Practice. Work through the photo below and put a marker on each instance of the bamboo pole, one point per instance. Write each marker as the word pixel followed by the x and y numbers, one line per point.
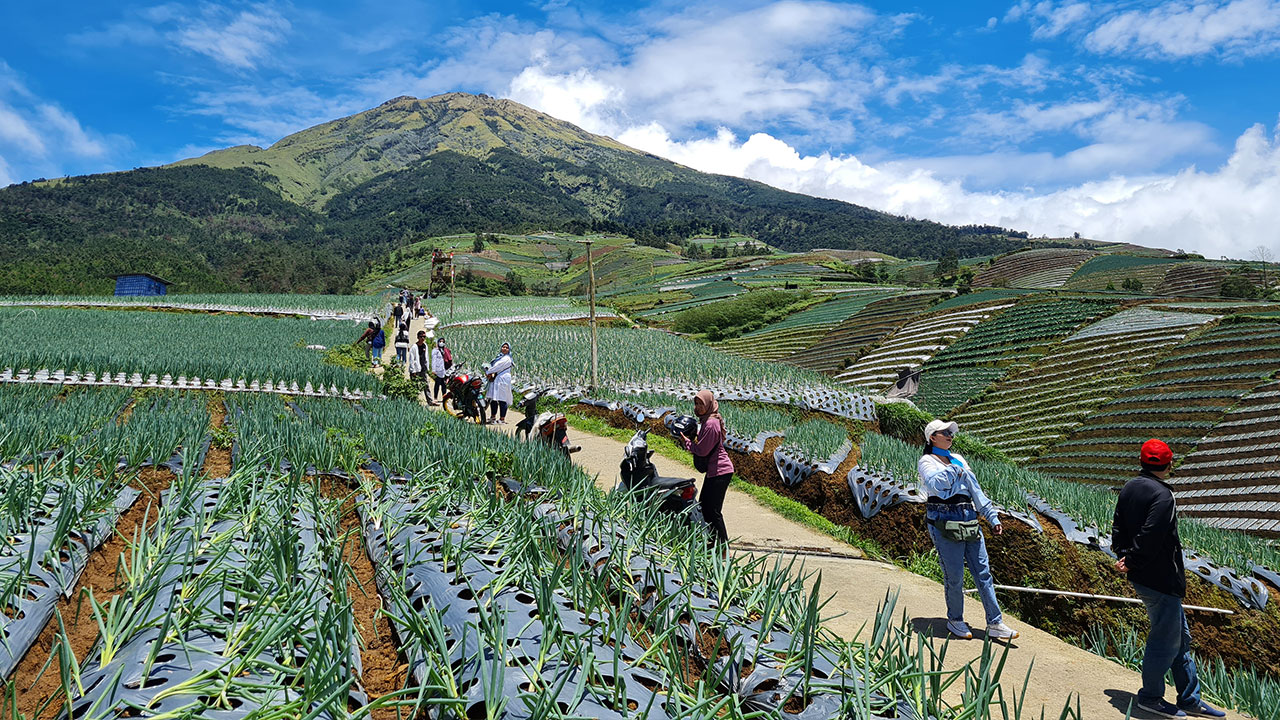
pixel 1088 596
pixel 591 289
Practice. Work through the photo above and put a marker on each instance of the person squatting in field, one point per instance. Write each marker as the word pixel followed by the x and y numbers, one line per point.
pixel 499 373
pixel 1144 536
pixel 951 513
pixel 710 457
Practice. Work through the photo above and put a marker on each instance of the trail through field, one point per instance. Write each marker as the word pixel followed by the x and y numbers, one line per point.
pixel 1058 670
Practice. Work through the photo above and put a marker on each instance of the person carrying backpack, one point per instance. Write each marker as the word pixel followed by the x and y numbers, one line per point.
pixel 1144 536
pixel 710 457
pixel 402 343
pixel 376 344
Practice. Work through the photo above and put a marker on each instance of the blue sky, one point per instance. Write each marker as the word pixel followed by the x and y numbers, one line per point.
pixel 1131 121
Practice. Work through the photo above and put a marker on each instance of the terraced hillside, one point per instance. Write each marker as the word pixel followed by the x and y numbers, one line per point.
pixel 861 331
pixel 1193 280
pixel 1232 480
pixel 1035 408
pixel 1179 399
pixel 1046 268
pixel 915 343
pixel 1008 343
pixel 1113 270
pixel 797 331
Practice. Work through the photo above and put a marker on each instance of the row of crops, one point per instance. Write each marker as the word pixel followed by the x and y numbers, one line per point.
pixel 534 596
pixel 797 331
pixel 209 347
pixel 862 330
pixel 356 306
pixel 1046 268
pixel 473 310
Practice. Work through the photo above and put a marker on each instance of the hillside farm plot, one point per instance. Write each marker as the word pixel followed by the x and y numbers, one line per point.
pixel 701 292
pixel 862 330
pixel 1030 410
pixel 1114 270
pixel 320 306
pixel 150 346
pixel 1046 268
pixel 1008 343
pixel 1193 280
pixel 1178 400
pixel 914 344
pixel 796 331
pixel 475 310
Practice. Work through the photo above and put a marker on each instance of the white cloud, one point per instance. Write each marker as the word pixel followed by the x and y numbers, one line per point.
pixel 239 41
pixel 1224 211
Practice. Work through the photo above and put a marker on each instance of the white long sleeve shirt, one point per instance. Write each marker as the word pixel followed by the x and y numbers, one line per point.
pixel 944 480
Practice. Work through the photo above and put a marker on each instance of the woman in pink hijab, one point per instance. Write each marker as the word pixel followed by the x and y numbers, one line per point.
pixel 710 457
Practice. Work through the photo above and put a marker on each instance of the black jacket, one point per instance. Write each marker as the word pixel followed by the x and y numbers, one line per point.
pixel 1145 533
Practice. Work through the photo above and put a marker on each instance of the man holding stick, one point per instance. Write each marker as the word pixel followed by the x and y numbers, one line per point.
pixel 1144 537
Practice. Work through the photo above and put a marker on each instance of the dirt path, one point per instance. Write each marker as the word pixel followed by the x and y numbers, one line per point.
pixel 1061 671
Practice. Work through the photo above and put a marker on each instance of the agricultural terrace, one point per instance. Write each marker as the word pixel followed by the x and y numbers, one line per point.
pixel 106 346
pixel 798 330
pixel 862 330
pixel 1179 399
pixel 1193 280
pixel 1043 268
pixel 1061 389
pixel 345 306
pixel 359 561
pixel 1008 343
pixel 914 344
pixel 476 310
pixel 700 292
pixel 1112 270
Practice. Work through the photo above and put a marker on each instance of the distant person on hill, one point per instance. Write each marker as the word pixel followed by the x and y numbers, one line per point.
pixel 951 512
pixel 441 363
pixel 1144 536
pixel 500 384
pixel 367 338
pixel 402 343
pixel 710 457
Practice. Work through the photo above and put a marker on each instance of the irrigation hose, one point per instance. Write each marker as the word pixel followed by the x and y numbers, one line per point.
pixel 1089 596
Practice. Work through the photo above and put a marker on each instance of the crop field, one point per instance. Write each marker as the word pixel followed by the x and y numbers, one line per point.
pixel 797 331
pixel 1045 268
pixel 477 310
pixel 1193 280
pixel 916 342
pixel 862 330
pixel 213 348
pixel 311 305
pixel 1008 343
pixel 1177 399
pixel 1066 385
pixel 1113 270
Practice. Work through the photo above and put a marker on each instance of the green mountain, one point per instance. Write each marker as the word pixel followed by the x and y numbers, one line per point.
pixel 317 208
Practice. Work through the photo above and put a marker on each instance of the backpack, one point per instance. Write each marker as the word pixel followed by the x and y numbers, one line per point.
pixel 448 357
pixel 379 338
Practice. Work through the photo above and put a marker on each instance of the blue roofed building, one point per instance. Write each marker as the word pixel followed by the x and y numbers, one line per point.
pixel 140 284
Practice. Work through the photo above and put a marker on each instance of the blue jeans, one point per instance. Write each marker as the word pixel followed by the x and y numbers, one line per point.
pixel 402 354
pixel 954 555
pixel 1168 648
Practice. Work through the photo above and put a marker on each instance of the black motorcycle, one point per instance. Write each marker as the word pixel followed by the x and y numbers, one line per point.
pixel 674 495
pixel 549 427
pixel 464 397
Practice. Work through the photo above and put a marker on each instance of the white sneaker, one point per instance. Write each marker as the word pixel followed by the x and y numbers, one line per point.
pixel 1000 631
pixel 960 629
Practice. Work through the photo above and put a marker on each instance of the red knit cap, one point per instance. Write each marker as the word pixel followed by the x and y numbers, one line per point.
pixel 1155 452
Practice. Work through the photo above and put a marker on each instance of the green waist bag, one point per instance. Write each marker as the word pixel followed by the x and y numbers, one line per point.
pixel 959 530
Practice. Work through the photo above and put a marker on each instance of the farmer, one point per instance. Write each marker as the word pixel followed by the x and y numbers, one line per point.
pixel 441 362
pixel 499 373
pixel 951 512
pixel 376 344
pixel 710 457
pixel 1144 536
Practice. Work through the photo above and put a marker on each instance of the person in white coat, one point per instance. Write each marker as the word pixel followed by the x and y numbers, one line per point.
pixel 419 361
pixel 441 361
pixel 499 373
pixel 954 503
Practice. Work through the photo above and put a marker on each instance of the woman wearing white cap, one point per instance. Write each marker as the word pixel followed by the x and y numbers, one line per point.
pixel 951 512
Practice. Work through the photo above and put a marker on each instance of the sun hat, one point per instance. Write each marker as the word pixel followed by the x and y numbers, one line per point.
pixel 1155 452
pixel 936 426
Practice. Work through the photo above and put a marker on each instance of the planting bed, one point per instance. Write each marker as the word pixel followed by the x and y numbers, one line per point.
pixel 1113 270
pixel 797 331
pixel 1047 268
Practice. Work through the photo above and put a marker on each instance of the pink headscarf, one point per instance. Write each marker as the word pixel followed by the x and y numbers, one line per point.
pixel 709 405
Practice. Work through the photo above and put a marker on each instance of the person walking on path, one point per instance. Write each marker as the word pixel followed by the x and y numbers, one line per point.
pixel 441 362
pixel 397 315
pixel 402 343
pixel 420 365
pixel 710 457
pixel 1144 536
pixel 499 373
pixel 951 512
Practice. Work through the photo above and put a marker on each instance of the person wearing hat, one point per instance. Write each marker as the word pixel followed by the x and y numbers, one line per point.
pixel 1144 537
pixel 951 512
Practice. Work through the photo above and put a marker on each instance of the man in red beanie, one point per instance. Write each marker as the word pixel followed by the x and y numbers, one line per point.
pixel 1144 536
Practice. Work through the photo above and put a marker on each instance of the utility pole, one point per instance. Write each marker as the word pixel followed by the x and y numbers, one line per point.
pixel 591 299
pixel 451 287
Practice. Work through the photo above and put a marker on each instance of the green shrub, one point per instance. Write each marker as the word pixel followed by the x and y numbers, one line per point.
pixel 906 423
pixel 395 384
pixel 744 313
pixel 349 356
